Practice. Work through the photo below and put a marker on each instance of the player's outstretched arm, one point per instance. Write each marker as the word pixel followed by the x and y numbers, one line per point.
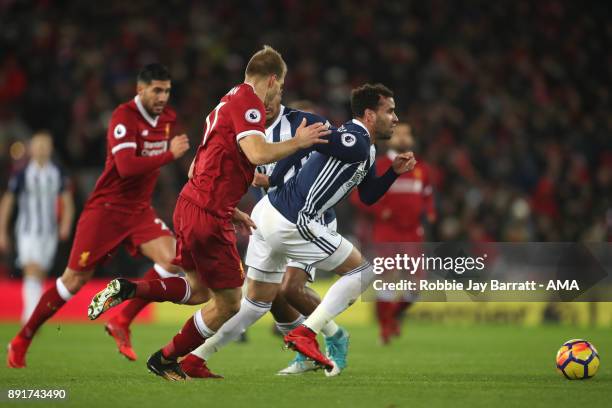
pixel 259 152
pixel 6 210
pixel 372 188
pixel 128 164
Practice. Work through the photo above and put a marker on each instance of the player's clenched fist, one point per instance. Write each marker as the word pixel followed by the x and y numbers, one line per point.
pixel 179 145
pixel 306 136
pixel 403 163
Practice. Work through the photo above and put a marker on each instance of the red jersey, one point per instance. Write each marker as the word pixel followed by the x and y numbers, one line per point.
pixel 131 127
pixel 397 215
pixel 222 173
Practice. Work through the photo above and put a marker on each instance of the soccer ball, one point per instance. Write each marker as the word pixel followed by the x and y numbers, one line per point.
pixel 577 359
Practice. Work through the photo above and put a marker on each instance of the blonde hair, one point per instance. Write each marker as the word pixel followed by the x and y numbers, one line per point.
pixel 265 62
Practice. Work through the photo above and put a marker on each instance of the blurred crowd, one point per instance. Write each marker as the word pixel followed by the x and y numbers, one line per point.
pixel 510 102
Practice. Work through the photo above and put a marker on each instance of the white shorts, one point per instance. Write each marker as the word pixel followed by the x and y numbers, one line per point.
pixel 277 242
pixel 311 270
pixel 36 249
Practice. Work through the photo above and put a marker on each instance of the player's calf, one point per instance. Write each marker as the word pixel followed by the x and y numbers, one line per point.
pixel 74 280
pixel 343 293
pixel 174 289
pixel 298 296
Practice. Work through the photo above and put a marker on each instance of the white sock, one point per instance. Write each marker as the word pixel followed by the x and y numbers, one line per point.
pixel 330 329
pixel 31 292
pixel 250 312
pixel 162 272
pixel 205 331
pixel 343 293
pixel 287 327
pixel 62 290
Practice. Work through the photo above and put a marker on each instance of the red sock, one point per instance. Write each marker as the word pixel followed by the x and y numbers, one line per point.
pixel 401 307
pixel 187 340
pixel 50 302
pixel 135 305
pixel 161 290
pixel 384 313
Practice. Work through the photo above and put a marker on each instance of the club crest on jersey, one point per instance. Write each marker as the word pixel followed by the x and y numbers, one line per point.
pixel 83 259
pixel 252 116
pixel 144 133
pixel 348 139
pixel 120 131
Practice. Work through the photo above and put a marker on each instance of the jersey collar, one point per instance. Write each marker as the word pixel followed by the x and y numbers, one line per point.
pixel 32 164
pixel 252 87
pixel 152 121
pixel 359 123
pixel 278 118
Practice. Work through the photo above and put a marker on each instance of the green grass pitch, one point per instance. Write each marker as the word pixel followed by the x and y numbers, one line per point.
pixel 430 366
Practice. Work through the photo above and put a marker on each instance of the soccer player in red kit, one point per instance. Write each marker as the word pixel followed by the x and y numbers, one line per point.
pixel 233 145
pixel 118 211
pixel 398 217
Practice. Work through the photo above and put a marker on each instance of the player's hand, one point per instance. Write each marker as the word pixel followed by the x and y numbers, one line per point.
pixel 64 232
pixel 179 145
pixel 261 180
pixel 5 242
pixel 403 163
pixel 243 222
pixel 306 136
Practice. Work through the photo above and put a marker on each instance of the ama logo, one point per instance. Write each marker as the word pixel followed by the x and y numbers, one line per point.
pixel 252 116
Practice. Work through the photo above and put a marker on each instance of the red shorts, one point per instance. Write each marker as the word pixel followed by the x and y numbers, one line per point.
pixel 100 231
pixel 207 244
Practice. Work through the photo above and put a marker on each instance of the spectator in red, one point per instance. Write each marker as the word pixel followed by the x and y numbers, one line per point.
pixel 398 217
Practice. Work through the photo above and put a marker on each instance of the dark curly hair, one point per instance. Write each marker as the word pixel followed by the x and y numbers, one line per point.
pixel 368 96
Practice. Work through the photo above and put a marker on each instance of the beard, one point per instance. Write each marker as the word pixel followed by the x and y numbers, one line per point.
pixel 383 132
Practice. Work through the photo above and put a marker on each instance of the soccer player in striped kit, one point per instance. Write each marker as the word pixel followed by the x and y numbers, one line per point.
pixel 36 190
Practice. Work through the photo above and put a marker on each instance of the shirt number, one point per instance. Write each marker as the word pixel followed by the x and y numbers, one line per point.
pixel 214 115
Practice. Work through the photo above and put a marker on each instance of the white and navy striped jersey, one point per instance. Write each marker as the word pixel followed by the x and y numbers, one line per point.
pixel 37 189
pixel 282 129
pixel 329 175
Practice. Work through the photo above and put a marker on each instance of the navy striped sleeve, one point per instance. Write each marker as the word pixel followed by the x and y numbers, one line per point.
pixel 346 146
pixel 372 188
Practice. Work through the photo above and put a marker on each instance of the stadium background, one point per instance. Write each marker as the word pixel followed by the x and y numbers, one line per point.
pixel 515 124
